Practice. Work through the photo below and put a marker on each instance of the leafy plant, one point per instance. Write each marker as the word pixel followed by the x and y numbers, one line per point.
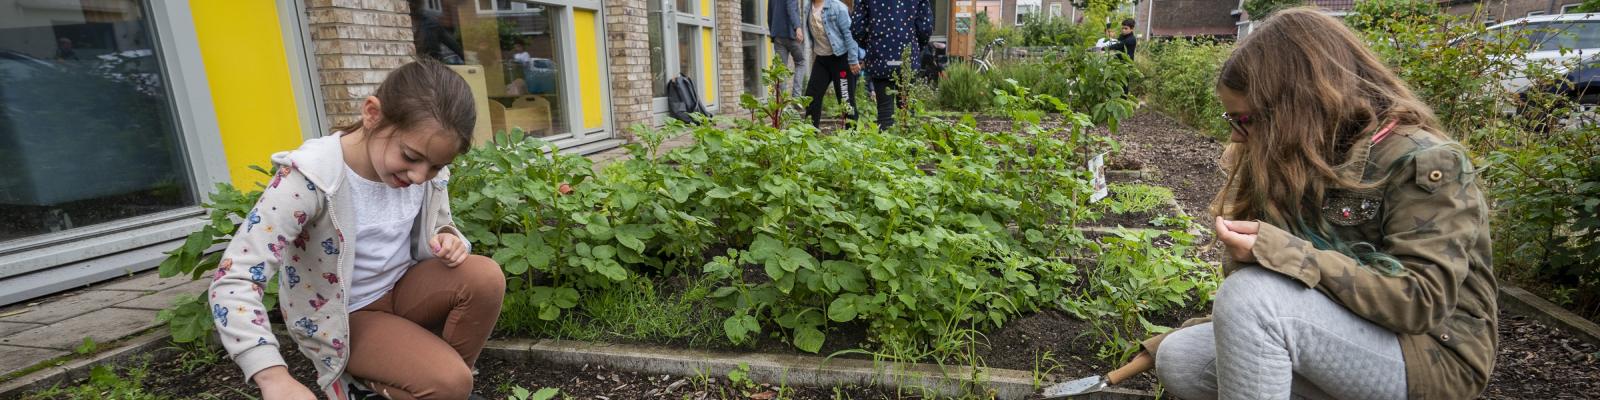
pixel 1137 198
pixel 87 347
pixel 521 393
pixel 1135 278
pixel 104 383
pixel 1261 9
pixel 1183 79
pixel 964 89
pixel 189 317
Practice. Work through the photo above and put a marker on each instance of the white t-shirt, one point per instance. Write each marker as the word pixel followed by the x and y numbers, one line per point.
pixel 384 217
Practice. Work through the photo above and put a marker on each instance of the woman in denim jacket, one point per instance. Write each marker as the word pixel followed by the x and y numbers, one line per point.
pixel 836 59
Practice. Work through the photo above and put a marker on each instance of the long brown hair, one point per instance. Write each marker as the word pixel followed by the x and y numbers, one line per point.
pixel 423 91
pixel 1315 90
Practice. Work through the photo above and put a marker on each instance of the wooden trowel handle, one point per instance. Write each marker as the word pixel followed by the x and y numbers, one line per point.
pixel 1140 363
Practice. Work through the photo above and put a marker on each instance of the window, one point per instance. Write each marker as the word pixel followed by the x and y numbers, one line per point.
pixel 1566 9
pixel 753 62
pixel 1055 10
pixel 750 12
pixel 88 131
pixel 1551 36
pixel 941 17
pixel 754 44
pixel 682 43
pixel 535 58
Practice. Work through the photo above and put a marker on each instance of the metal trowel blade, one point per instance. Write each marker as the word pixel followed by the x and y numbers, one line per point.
pixel 1075 387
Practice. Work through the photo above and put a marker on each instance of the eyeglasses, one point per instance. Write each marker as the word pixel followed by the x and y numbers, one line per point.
pixel 1238 121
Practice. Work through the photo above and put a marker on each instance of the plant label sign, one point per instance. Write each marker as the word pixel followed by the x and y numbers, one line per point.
pixel 1097 166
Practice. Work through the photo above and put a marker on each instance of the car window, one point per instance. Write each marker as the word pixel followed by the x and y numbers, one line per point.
pixel 1558 35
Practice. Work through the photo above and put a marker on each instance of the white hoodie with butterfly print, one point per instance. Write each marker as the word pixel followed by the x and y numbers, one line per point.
pixel 295 234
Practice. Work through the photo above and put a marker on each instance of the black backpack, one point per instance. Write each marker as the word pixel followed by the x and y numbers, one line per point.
pixel 683 102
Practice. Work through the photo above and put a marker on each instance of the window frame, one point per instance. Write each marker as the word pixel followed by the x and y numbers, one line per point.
pixel 671 19
pixel 763 51
pixel 562 21
pixel 37 263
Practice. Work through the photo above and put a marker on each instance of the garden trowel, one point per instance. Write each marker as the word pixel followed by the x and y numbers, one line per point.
pixel 1079 387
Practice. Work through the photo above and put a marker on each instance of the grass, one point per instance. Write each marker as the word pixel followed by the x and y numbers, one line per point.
pixel 648 313
pixel 105 382
pixel 1137 198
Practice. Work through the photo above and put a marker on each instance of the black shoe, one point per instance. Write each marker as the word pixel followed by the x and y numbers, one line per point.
pixel 359 393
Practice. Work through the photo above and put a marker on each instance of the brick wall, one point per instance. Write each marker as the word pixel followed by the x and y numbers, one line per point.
pixel 627 44
pixel 356 43
pixel 1506 10
pixel 730 58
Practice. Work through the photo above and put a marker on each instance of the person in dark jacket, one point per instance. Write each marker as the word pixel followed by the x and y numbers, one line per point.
pixel 1127 42
pixel 788 40
pixel 885 29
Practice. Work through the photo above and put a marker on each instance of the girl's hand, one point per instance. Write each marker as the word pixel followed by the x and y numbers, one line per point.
pixel 449 248
pixel 1239 237
pixel 276 384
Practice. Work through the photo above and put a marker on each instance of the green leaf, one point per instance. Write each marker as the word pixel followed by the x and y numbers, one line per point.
pixel 719 193
pixel 808 339
pixel 604 252
pixel 87 347
pixel 549 313
pixel 519 393
pixel 764 247
pixel 843 309
pixel 545 394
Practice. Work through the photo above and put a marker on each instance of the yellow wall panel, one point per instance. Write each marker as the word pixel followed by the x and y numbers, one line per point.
pixel 241 44
pixel 708 63
pixel 705 8
pixel 589 89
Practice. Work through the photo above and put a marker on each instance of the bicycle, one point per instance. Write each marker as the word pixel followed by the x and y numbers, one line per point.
pixel 984 65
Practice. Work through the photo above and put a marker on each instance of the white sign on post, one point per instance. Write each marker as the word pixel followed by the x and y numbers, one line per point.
pixel 1097 166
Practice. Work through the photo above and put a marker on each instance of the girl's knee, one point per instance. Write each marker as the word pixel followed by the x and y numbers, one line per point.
pixel 1186 363
pixel 483 275
pixel 448 383
pixel 1250 291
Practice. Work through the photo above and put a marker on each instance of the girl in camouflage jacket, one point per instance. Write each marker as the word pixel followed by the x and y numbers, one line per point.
pixel 1359 238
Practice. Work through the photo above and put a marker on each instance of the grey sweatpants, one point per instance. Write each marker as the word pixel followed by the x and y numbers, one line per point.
pixel 1273 338
pixel 792 52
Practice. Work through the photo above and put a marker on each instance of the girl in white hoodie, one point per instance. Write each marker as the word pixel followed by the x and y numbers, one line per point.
pixel 376 282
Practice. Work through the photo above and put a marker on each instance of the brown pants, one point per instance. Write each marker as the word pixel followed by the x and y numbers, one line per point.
pixel 420 340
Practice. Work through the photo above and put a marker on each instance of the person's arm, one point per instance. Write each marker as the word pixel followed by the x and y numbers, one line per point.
pixel 1116 45
pixel 852 50
pixel 861 20
pixel 444 221
pixel 1434 214
pixel 795 21
pixel 923 22
pixel 250 261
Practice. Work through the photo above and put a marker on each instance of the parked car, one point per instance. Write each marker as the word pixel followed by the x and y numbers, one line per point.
pixel 1566 44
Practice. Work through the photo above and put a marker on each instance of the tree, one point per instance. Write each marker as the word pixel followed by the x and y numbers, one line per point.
pixel 1260 9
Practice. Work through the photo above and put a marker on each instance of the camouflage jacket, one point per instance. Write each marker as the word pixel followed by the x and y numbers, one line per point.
pixel 1432 217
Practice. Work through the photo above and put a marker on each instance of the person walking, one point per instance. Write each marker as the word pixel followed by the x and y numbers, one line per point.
pixel 835 57
pixel 886 29
pixel 788 41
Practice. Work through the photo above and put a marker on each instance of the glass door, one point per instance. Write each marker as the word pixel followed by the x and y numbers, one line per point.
pixel 682 44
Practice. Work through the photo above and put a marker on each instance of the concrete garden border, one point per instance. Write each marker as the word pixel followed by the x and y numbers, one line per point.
pixel 789 369
pixel 1526 303
pixel 154 342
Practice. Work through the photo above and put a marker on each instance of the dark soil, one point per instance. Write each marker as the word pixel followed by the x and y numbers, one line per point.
pixel 1539 362
pixel 1183 160
pixel 221 379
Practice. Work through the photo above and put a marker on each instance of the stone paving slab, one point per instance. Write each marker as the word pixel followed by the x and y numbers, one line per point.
pixel 148 281
pixel 8 328
pixel 14 358
pixel 163 299
pixel 102 326
pixel 61 308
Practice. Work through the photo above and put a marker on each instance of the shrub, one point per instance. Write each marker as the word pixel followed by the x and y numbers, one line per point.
pixel 1182 81
pixel 964 89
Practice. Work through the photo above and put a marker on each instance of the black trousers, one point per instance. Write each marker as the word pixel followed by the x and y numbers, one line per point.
pixel 886 91
pixel 831 71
